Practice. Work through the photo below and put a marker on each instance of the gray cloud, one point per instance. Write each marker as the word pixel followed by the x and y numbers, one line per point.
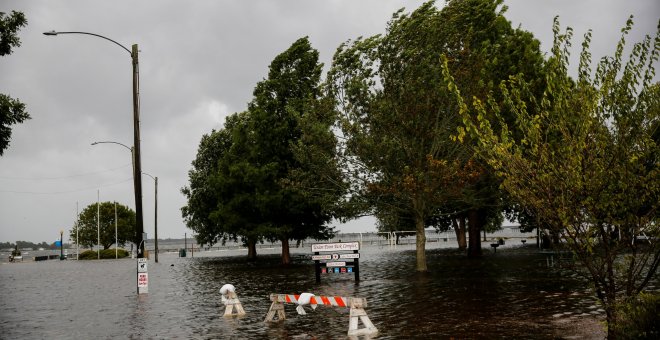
pixel 199 62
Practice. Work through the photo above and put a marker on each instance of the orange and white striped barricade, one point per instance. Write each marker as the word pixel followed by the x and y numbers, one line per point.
pixel 357 312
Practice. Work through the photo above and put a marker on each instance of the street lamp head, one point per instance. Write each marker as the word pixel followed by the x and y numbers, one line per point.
pixel 50 33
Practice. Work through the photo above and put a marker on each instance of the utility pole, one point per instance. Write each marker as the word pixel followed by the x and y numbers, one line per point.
pixel 136 151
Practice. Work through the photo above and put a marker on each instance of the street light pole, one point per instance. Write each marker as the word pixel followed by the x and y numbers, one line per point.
pixel 61 244
pixel 155 214
pixel 137 178
pixel 116 241
pixel 77 228
pixel 98 224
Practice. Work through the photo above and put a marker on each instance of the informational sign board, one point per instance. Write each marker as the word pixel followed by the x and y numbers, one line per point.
pixel 345 258
pixel 320 247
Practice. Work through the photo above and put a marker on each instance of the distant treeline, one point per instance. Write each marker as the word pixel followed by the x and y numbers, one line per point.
pixel 29 245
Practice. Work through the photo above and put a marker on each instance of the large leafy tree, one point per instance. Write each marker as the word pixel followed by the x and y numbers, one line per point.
pixel 201 195
pixel 290 127
pixel 585 159
pixel 89 229
pixel 223 190
pixel 398 116
pixel 271 172
pixel 12 111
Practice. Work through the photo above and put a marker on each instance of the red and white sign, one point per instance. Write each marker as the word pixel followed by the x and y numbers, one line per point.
pixel 143 280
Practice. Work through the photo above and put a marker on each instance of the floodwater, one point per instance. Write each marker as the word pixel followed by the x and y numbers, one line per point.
pixel 508 294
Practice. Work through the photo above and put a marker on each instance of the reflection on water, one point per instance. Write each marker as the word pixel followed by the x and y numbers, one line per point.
pixel 511 294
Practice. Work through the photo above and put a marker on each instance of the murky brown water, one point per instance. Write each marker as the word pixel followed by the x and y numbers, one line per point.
pixel 511 294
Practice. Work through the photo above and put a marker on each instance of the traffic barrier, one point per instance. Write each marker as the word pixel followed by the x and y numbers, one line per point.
pixel 357 312
pixel 231 301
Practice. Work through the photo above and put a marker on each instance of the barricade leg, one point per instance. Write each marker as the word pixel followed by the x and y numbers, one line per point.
pixel 275 308
pixel 357 314
pixel 233 304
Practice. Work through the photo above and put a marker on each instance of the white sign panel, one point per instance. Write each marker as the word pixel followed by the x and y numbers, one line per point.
pixel 349 256
pixel 335 246
pixel 335 264
pixel 142 265
pixel 321 257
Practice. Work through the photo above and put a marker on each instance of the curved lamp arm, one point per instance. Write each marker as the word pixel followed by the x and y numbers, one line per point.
pixel 53 33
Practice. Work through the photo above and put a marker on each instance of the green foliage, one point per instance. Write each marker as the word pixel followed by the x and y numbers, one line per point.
pixel 202 194
pixel 583 158
pixel 89 230
pixel 12 111
pixel 28 245
pixel 271 172
pixel 640 318
pixel 9 26
pixel 104 254
pixel 398 116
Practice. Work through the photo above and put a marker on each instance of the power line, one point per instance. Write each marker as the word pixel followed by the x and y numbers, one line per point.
pixel 62 177
pixel 66 191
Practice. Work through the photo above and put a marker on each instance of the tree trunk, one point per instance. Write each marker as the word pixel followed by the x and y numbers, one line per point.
pixel 611 317
pixel 474 226
pixel 252 249
pixel 286 255
pixel 421 244
pixel 459 229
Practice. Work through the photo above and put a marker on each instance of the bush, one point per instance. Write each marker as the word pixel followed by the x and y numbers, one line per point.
pixel 105 254
pixel 640 319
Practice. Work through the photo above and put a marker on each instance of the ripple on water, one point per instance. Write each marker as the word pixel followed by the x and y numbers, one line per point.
pixel 507 295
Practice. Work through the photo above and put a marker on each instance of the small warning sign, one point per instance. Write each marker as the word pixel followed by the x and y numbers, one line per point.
pixel 143 280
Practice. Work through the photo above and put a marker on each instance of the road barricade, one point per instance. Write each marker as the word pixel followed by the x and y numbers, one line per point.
pixel 233 306
pixel 356 305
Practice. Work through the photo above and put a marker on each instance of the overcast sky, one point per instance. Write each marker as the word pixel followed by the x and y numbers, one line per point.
pixel 199 62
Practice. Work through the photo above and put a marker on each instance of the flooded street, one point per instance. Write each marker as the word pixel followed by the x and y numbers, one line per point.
pixel 510 294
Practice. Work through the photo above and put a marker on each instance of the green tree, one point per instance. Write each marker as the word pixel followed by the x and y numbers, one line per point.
pixel 221 192
pixel 584 159
pixel 290 133
pixel 272 173
pixel 89 230
pixel 202 198
pixel 12 111
pixel 398 116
